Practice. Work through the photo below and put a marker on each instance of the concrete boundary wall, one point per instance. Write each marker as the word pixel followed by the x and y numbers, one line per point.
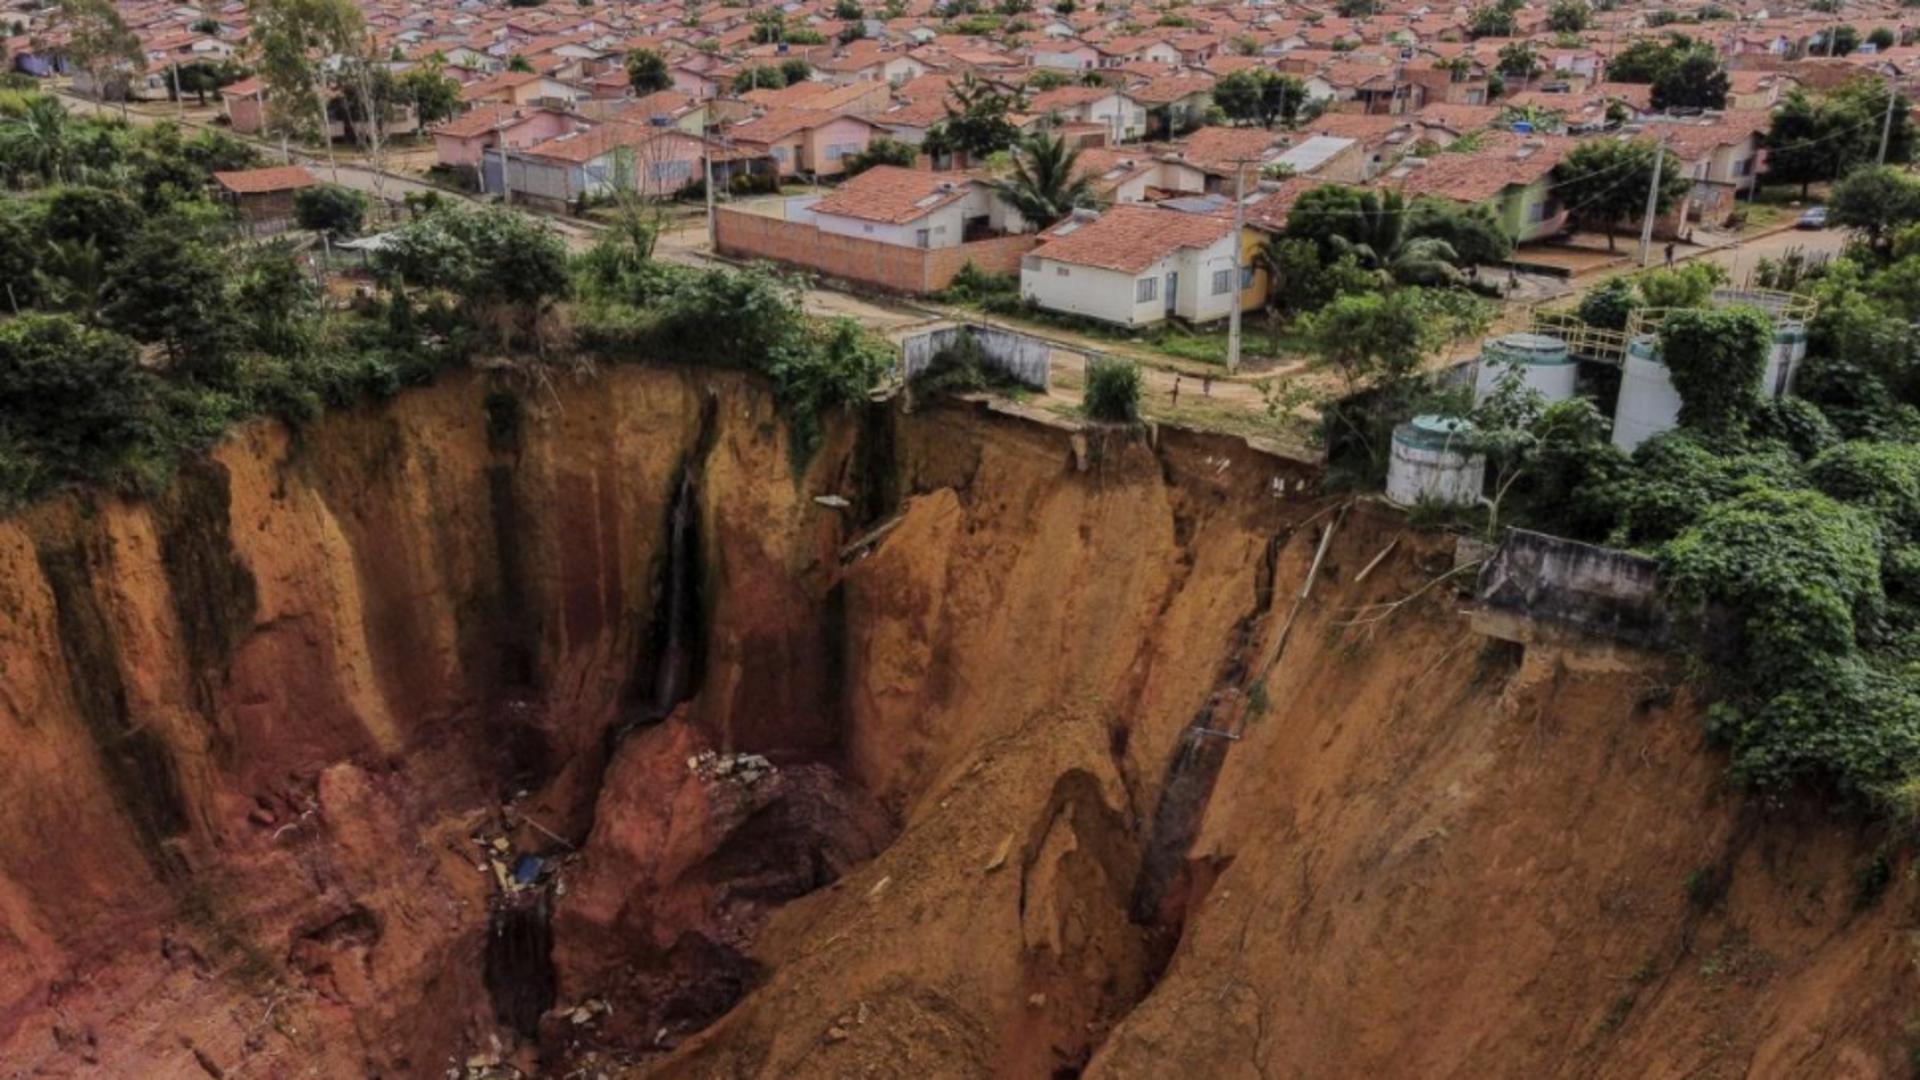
pixel 1595 590
pixel 889 267
pixel 1019 356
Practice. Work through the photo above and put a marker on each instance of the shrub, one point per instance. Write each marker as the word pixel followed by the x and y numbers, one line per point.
pixel 1611 305
pixel 74 402
pixel 1716 357
pixel 1113 391
pixel 331 209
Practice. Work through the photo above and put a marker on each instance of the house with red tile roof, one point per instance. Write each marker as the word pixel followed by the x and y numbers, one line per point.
pixel 914 208
pixel 1139 266
pixel 592 162
pixel 458 143
pixel 807 141
pixel 1511 173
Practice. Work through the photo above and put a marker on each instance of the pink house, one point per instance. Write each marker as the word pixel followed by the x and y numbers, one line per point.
pixel 805 140
pixel 246 105
pixel 459 142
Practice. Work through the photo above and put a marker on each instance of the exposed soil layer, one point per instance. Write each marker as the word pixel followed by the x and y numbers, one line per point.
pixel 483 731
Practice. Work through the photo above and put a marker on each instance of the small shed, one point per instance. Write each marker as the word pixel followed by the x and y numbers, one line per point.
pixel 264 197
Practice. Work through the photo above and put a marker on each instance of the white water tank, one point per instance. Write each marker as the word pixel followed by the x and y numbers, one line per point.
pixel 1431 462
pixel 1543 360
pixel 1789 348
pixel 1649 405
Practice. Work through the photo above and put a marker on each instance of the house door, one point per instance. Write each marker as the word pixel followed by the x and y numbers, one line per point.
pixel 1173 289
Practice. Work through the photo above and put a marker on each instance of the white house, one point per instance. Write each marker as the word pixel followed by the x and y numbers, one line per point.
pixel 1138 265
pixel 911 208
pixel 1124 118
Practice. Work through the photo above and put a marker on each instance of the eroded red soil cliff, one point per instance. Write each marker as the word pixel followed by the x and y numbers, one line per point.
pixel 384 750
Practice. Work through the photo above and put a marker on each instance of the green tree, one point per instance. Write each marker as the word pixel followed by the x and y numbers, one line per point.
pixel 1490 21
pixel 435 96
pixel 759 77
pixel 1369 338
pixel 1842 40
pixel 1518 61
pixel 287 36
pixel 168 289
pixel 1611 305
pixel 769 27
pixel 39 143
pixel 1524 437
pixel 1607 180
pixel 1640 61
pixel 647 71
pixel 1875 201
pixel 100 216
pixel 520 65
pixel 1569 16
pixel 1795 150
pixel 1260 95
pixel 1044 186
pixel 203 77
pixel 881 151
pixel 976 123
pixel 848 10
pixel 506 269
pixel 1694 80
pixel 796 70
pixel 331 209
pixel 74 397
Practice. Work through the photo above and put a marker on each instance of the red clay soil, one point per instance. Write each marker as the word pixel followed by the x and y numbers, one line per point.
pixel 276 743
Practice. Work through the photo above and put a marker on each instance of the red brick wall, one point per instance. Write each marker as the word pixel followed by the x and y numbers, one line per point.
pixel 866 262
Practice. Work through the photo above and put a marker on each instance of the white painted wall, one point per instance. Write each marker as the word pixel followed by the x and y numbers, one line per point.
pixel 1111 295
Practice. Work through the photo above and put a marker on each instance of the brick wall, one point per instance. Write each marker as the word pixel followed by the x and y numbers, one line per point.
pixel 866 262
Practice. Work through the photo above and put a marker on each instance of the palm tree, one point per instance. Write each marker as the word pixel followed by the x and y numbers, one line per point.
pixel 1044 187
pixel 38 142
pixel 1378 240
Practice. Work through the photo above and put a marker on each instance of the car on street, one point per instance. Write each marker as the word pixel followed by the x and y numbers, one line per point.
pixel 1813 217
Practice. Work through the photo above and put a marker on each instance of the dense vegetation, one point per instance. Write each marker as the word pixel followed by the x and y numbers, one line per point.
pixel 140 324
pixel 1790 527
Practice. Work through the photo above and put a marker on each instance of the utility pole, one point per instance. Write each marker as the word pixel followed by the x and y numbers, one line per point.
pixel 179 102
pixel 1233 311
pixel 1653 201
pixel 1886 122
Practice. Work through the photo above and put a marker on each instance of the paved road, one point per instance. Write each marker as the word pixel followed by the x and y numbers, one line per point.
pixel 1740 259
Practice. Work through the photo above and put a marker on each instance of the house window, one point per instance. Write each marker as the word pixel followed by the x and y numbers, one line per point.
pixel 674 171
pixel 839 150
pixel 1537 213
pixel 921 237
pixel 1222 282
pixel 1145 289
pixel 1246 278
pixel 1060 271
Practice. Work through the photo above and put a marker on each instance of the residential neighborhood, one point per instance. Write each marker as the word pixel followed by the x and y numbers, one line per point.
pixel 560 109
pixel 959 538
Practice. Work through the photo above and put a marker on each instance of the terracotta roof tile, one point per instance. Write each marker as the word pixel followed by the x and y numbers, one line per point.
pixel 261 181
pixel 1130 238
pixel 892 195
